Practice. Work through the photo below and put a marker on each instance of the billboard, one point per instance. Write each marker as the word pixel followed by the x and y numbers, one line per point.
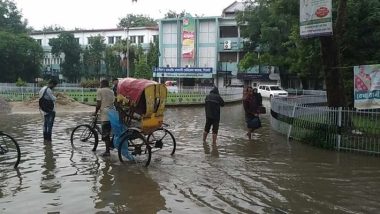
pixel 188 38
pixel 315 18
pixel 367 86
pixel 180 72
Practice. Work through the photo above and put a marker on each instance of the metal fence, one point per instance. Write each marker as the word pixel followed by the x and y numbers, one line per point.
pixel 306 119
pixel 184 96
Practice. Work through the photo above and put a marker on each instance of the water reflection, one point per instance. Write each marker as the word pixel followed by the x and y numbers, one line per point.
pixel 128 189
pixel 49 183
pixel 234 176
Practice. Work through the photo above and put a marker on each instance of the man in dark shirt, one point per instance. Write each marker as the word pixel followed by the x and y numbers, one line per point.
pixel 213 102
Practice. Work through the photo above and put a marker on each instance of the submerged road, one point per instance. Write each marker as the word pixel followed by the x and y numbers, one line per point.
pixel 265 175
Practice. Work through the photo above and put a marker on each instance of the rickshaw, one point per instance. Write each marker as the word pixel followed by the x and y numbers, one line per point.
pixel 137 122
pixel 140 104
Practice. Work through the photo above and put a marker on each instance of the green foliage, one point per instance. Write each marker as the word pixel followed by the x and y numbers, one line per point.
pixel 93 56
pixel 67 44
pixel 52 28
pixel 272 27
pixel 10 18
pixel 20 55
pixel 132 20
pixel 153 54
pixel 142 68
pixel 90 84
pixel 112 60
pixel 318 138
pixel 20 82
pixel 174 14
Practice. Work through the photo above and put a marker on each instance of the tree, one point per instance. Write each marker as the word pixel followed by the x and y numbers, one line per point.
pixel 142 68
pixel 112 60
pixel 174 14
pixel 132 20
pixel 20 55
pixel 274 26
pixel 93 55
pixel 52 28
pixel 66 44
pixel 153 54
pixel 10 18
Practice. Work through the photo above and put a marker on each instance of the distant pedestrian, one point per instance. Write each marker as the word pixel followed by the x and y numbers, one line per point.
pixel 104 101
pixel 251 104
pixel 213 102
pixel 47 106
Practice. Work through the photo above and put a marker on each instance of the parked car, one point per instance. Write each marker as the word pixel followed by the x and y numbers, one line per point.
pixel 271 91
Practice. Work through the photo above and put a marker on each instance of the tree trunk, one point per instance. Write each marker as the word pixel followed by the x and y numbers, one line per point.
pixel 333 77
pixel 331 58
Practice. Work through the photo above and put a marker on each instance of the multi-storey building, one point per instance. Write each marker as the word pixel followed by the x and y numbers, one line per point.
pixel 205 50
pixel 136 35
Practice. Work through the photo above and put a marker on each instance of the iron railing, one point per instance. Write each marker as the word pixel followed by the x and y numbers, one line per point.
pixel 307 118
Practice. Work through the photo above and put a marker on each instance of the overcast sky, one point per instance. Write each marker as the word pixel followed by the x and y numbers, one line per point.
pixel 92 14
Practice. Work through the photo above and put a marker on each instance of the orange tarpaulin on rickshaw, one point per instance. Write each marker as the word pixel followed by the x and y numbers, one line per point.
pixel 133 88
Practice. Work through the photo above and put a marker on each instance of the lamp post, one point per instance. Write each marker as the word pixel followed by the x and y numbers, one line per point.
pixel 127 55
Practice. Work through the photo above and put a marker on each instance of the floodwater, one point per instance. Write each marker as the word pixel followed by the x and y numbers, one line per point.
pixel 265 175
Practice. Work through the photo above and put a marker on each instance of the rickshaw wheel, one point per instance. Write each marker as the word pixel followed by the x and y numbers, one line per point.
pixel 134 147
pixel 84 136
pixel 162 139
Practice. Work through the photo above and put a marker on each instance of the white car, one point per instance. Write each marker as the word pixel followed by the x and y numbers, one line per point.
pixel 271 91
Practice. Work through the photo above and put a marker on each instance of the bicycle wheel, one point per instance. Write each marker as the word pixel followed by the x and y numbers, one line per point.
pixel 162 139
pixel 134 147
pixel 85 137
pixel 10 153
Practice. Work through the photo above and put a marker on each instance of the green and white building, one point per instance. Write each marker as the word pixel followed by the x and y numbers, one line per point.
pixel 205 51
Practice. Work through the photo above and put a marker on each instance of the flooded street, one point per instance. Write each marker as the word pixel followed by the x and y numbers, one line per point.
pixel 265 175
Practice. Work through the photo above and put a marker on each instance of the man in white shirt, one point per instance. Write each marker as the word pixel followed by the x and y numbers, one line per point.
pixel 104 101
pixel 49 117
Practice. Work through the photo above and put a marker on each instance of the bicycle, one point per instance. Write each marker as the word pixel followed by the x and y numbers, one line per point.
pixel 132 145
pixel 10 153
pixel 86 135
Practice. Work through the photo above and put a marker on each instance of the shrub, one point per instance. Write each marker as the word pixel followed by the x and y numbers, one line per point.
pixel 20 82
pixel 90 84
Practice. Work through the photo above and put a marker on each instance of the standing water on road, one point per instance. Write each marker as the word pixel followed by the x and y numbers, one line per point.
pixel 267 174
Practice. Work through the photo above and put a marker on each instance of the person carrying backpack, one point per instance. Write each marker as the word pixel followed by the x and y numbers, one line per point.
pixel 213 102
pixel 47 106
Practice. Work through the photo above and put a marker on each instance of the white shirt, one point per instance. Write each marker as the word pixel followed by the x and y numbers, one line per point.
pixel 48 95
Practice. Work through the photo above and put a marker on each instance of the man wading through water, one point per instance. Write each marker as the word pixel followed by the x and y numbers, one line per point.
pixel 49 116
pixel 104 101
pixel 213 102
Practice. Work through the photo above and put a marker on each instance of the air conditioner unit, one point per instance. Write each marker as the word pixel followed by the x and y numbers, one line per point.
pixel 227 45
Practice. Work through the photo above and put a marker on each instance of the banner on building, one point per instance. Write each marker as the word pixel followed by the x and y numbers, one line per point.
pixel 315 18
pixel 367 86
pixel 188 38
pixel 182 72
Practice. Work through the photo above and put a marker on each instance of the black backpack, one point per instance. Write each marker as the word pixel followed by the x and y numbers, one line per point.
pixel 45 104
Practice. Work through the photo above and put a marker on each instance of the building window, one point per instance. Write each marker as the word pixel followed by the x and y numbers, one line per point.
pixel 169 33
pixel 170 57
pixel 132 39
pixel 228 56
pixel 155 38
pixel 118 38
pixel 39 41
pixel 140 39
pixel 228 31
pixel 207 32
pixel 77 40
pixel 207 57
pixel 111 40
